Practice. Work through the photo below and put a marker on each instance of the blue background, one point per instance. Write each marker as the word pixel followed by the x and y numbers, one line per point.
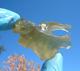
pixel 62 11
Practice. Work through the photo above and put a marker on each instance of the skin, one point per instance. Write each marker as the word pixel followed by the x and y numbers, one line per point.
pixel 42 42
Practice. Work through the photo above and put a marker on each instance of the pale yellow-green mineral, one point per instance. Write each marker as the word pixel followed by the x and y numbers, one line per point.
pixel 40 38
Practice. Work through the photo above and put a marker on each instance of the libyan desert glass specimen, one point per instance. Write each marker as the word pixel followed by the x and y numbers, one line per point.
pixel 40 38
